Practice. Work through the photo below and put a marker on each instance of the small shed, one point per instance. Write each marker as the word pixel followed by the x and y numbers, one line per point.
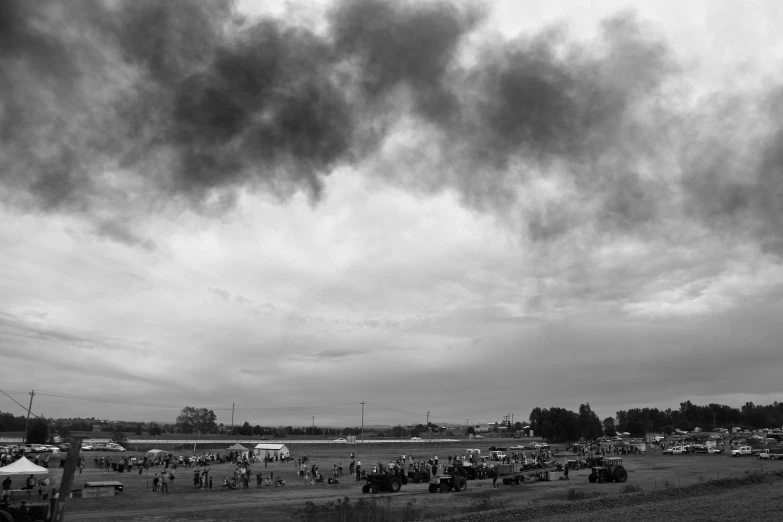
pixel 273 450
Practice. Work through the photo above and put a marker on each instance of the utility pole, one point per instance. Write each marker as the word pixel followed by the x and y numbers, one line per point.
pixel 362 403
pixel 312 432
pixel 232 420
pixel 428 425
pixel 32 394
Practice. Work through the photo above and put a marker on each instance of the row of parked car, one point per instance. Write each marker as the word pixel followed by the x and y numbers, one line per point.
pixel 689 449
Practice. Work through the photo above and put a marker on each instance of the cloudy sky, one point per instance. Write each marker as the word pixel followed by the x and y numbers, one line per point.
pixel 470 210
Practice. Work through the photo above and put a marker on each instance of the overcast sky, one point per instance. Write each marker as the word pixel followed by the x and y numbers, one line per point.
pixel 466 211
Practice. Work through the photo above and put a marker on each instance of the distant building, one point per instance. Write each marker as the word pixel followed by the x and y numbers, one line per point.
pixel 96 427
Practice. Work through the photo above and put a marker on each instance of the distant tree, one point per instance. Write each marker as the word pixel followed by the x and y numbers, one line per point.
pixel 199 420
pixel 63 431
pixel 154 429
pixel 257 430
pixel 38 431
pixel 398 431
pixel 471 430
pixel 668 429
pixel 138 429
pixel 637 430
pixel 685 425
pixel 609 429
pixel 246 429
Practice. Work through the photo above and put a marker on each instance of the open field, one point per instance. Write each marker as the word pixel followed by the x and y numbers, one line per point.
pixel 651 472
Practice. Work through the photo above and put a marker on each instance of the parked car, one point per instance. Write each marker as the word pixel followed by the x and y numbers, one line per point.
pixel 113 446
pixel 742 450
pixel 478 436
pixel 416 438
pixel 87 447
pixel 675 450
pixel 713 450
pixel 339 440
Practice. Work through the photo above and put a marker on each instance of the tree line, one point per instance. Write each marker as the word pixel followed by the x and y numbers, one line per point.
pixel 691 416
pixel 562 425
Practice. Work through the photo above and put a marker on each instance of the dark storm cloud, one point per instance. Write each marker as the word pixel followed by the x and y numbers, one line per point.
pixel 188 101
pixel 734 174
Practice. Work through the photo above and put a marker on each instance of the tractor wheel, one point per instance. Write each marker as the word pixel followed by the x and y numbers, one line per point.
pixel 620 475
pixel 471 473
pixel 393 484
pixel 366 488
pixel 434 488
pixel 460 484
pixel 444 487
pixel 375 489
pixel 592 478
pixel 518 479
pixel 5 516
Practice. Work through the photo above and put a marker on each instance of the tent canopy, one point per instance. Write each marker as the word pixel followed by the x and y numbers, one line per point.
pixel 157 454
pixel 237 446
pixel 23 467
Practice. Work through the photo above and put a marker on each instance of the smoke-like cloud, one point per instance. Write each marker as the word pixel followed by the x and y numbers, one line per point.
pixel 106 105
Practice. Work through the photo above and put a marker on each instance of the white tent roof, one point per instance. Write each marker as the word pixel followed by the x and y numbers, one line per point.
pixel 237 446
pixel 23 467
pixel 273 447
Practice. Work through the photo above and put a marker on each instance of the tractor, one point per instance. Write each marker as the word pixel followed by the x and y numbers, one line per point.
pixel 608 469
pixel 418 476
pixel 447 482
pixel 378 482
pixel 24 511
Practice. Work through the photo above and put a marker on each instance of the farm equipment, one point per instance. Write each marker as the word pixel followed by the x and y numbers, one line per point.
pixel 526 472
pixel 447 482
pixel 418 476
pixel 24 511
pixel 609 469
pixel 377 482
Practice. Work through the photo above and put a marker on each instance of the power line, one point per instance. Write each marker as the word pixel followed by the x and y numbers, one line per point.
pixel 20 404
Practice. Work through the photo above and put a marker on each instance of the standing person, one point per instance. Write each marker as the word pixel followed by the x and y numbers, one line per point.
pixel 7 487
pixel 494 474
pixel 155 483
pixel 164 482
pixel 566 471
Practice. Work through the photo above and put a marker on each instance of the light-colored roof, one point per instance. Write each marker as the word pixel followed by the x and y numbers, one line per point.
pixel 237 446
pixel 276 447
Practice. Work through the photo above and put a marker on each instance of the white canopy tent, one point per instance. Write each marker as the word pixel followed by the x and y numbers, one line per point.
pixel 238 448
pixel 23 467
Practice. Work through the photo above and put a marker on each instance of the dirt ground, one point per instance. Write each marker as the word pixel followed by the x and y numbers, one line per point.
pixel 183 502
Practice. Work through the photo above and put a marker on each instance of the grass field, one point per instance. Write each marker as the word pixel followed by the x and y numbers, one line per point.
pixel 651 472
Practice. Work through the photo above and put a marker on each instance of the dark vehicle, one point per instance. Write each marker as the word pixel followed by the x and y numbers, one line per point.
pixel 24 511
pixel 378 482
pixel 608 470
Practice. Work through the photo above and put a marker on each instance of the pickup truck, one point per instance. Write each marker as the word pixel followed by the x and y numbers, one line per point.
pixel 766 454
pixel 742 450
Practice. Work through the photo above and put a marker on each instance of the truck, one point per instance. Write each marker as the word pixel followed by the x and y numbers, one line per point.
pixel 768 455
pixel 742 450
